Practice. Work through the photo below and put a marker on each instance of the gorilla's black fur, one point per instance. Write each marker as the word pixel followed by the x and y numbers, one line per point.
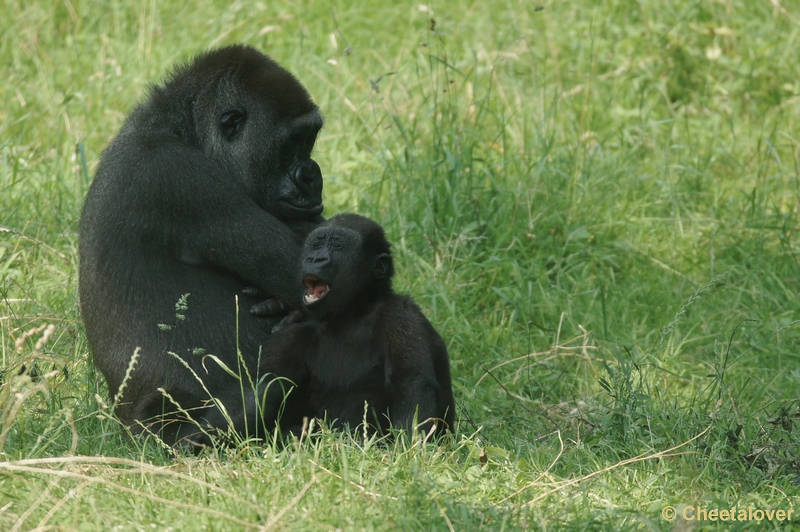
pixel 363 342
pixel 209 187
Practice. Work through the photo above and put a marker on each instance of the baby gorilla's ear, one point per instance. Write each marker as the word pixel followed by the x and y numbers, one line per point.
pixel 381 268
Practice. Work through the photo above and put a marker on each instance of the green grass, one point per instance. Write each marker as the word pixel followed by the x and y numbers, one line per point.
pixel 596 204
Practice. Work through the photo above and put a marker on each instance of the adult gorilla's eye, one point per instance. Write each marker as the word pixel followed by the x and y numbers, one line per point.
pixel 288 155
pixel 308 143
pixel 232 122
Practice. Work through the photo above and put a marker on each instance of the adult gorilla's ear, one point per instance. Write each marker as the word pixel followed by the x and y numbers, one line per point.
pixel 382 266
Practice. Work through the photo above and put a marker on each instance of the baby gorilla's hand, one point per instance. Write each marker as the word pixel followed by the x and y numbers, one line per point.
pixel 295 316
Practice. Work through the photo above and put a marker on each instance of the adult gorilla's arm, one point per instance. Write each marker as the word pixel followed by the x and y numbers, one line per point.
pixel 203 218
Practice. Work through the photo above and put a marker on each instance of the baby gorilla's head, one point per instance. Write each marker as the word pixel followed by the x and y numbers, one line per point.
pixel 346 266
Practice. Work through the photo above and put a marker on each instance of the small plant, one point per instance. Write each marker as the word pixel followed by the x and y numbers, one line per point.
pixel 181 306
pixel 625 384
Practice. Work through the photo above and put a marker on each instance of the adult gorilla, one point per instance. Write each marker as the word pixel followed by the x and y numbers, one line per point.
pixel 208 188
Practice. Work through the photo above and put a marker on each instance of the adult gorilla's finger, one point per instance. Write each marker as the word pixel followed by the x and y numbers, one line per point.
pixel 270 307
pixel 253 291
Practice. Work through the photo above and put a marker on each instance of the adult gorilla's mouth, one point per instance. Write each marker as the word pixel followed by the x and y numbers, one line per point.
pixel 317 288
pixel 302 210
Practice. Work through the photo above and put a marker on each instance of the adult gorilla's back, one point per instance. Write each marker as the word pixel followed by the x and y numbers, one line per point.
pixel 208 188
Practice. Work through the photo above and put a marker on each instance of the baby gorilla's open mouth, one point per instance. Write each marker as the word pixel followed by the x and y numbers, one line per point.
pixel 316 288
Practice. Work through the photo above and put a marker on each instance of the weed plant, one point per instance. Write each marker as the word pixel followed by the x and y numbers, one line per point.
pixel 596 204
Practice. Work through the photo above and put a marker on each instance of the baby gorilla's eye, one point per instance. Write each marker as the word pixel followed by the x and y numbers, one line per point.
pixel 336 244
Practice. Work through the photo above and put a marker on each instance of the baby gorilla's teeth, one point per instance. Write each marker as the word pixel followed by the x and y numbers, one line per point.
pixel 310 298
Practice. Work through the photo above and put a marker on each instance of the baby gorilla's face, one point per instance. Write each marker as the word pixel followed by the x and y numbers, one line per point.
pixel 345 265
pixel 330 269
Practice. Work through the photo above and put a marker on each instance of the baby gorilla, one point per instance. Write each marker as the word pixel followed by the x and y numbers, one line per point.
pixel 363 342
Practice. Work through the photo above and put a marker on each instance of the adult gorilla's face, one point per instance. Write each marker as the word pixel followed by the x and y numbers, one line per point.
pixel 262 122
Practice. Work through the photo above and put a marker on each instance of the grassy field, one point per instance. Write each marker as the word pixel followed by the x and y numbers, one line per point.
pixel 596 204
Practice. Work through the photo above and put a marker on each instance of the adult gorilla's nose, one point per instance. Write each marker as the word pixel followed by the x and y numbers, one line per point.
pixel 308 179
